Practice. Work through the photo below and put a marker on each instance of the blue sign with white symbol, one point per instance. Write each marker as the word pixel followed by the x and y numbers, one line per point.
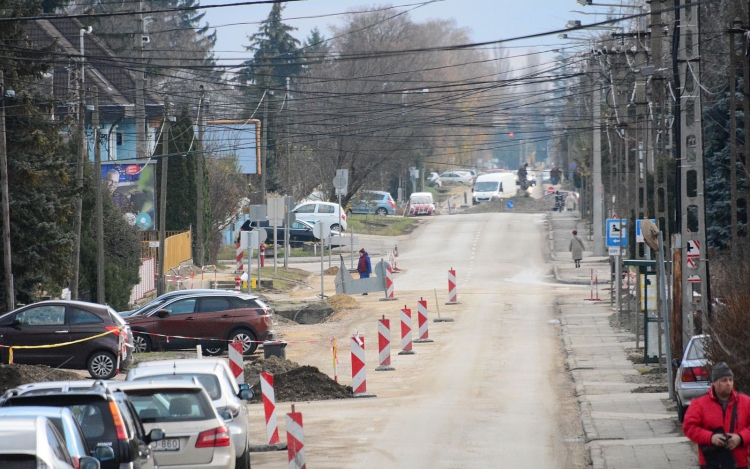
pixel 614 236
pixel 509 205
pixel 638 234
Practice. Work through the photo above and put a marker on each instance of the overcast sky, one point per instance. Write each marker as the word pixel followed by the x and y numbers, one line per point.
pixel 488 20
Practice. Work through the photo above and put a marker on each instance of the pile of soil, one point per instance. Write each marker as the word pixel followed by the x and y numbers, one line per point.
pixel 331 270
pixel 294 383
pixel 15 375
pixel 341 302
pixel 520 204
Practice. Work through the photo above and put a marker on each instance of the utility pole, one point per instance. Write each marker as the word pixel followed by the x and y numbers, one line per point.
pixel 7 269
pixel 140 78
pixel 659 128
pixel 199 181
pixel 161 287
pixel 288 143
pixel 692 203
pixel 641 139
pixel 264 150
pixel 597 189
pixel 82 157
pixel 100 296
pixel 737 62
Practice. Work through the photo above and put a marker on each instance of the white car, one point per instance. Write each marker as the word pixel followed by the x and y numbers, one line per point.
pixel 34 442
pixel 217 379
pixel 325 212
pixel 456 177
pixel 195 436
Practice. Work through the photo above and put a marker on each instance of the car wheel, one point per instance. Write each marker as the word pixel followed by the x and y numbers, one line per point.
pixel 141 343
pixel 247 339
pixel 336 226
pixel 102 365
pixel 381 211
pixel 243 462
pixel 212 351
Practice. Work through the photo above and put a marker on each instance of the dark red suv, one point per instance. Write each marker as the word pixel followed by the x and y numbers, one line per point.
pixel 211 320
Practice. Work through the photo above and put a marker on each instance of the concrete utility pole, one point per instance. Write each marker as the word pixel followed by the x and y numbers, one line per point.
pixel 264 150
pixel 100 296
pixel 659 112
pixel 199 181
pixel 140 78
pixel 161 286
pixel 692 204
pixel 641 135
pixel 7 270
pixel 597 188
pixel 82 158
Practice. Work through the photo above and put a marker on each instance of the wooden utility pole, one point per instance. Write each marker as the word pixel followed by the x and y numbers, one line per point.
pixel 100 296
pixel 7 270
pixel 161 286
pixel 77 201
pixel 199 183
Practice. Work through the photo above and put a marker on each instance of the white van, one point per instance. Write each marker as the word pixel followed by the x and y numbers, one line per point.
pixel 494 186
pixel 421 203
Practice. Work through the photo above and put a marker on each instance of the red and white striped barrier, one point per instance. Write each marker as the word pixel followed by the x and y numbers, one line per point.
pixel 452 288
pixel 593 287
pixel 208 268
pixel 406 332
pixel 359 378
pixel 237 283
pixel 424 335
pixel 384 345
pixel 269 406
pixel 389 283
pixel 236 362
pixel 392 255
pixel 295 440
pixel 239 267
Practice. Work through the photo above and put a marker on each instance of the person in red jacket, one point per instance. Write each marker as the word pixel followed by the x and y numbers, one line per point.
pixel 708 420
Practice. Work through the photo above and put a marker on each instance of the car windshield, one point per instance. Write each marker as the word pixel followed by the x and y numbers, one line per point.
pixel 170 405
pixel 209 382
pixel 486 186
pixel 420 200
pixel 696 350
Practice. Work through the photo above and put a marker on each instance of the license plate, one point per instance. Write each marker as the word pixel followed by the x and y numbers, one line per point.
pixel 169 444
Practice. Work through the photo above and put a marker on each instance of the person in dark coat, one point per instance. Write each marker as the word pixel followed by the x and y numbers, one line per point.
pixel 576 248
pixel 708 420
pixel 363 266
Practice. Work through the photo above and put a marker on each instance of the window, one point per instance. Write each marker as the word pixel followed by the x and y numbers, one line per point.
pixel 47 315
pixel 307 208
pixel 696 351
pixel 326 208
pixel 54 440
pixel 170 406
pixel 182 307
pixel 213 304
pixel 79 316
pixel 209 382
pixel 242 303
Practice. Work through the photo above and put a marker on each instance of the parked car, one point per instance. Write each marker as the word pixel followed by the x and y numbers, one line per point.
pixel 378 202
pixel 33 442
pixel 300 233
pixel 324 212
pixel 65 423
pixel 107 418
pixel 59 321
pixel 205 319
pixel 434 180
pixel 421 203
pixel 215 376
pixel 456 177
pixel 195 436
pixel 470 171
pixel 693 377
pixel 161 299
pixel 493 186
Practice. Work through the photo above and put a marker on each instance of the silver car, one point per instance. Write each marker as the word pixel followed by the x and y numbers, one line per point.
pixel 217 379
pixel 693 378
pixel 33 441
pixel 195 436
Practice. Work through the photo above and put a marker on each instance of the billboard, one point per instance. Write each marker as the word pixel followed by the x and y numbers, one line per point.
pixel 131 186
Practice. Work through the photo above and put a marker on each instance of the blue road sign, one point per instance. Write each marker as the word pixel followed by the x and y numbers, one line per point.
pixel 638 234
pixel 509 205
pixel 614 237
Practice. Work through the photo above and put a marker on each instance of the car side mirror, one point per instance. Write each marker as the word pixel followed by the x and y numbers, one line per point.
pixel 162 313
pixel 87 462
pixel 155 434
pixel 103 454
pixel 675 363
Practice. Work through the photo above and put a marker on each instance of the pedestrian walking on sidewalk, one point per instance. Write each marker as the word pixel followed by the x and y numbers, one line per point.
pixel 719 423
pixel 570 202
pixel 576 248
pixel 363 266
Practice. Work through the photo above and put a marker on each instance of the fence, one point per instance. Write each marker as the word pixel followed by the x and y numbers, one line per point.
pixel 146 285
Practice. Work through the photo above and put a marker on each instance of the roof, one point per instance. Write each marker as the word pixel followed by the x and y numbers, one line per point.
pixel 18 434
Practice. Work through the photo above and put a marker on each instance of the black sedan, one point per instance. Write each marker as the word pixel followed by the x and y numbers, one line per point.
pixel 300 233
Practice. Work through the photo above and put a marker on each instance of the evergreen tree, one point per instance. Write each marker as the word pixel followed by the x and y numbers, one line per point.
pixel 716 173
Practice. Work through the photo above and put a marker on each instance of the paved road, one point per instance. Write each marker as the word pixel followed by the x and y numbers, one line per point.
pixel 491 391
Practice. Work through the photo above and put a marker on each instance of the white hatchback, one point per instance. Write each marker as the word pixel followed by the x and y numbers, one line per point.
pixel 325 212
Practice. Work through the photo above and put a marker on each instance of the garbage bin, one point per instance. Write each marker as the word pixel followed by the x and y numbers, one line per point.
pixel 274 348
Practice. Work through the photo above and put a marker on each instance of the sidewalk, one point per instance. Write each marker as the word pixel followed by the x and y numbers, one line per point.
pixel 623 429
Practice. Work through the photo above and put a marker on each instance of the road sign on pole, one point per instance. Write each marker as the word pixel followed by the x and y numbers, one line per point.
pixel 616 237
pixel 638 233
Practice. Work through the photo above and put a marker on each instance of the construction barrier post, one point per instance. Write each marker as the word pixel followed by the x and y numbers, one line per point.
pixel 452 288
pixel 269 406
pixel 237 283
pixel 295 440
pixel 389 291
pixel 240 254
pixel 406 332
pixel 359 378
pixel 384 345
pixel 593 287
pixel 236 362
pixel 424 335
pixel 335 352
